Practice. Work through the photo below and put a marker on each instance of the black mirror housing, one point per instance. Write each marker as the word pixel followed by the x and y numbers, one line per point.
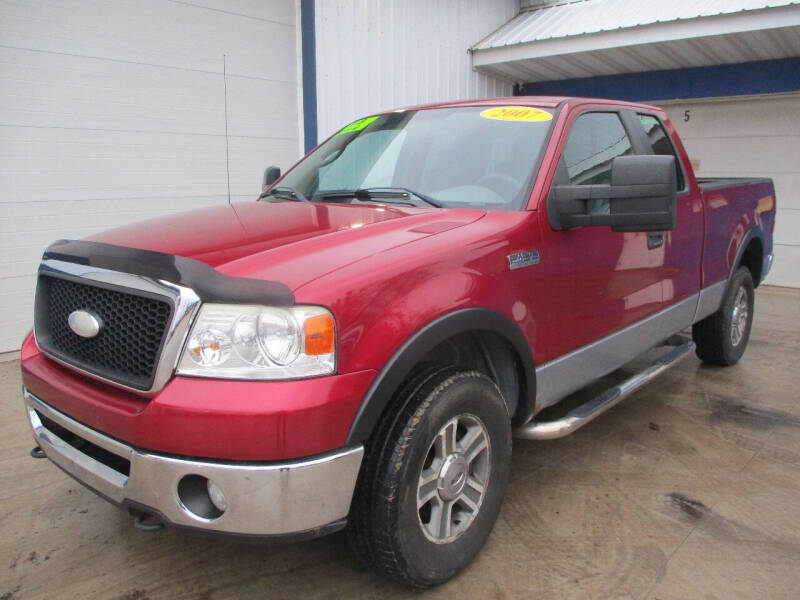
pixel 645 193
pixel 271 175
pixel 642 197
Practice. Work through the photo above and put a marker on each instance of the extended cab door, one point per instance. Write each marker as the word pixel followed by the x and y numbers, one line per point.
pixel 616 279
pixel 683 246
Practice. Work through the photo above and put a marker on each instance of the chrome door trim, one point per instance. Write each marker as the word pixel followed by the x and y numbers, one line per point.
pixel 569 373
pixel 185 304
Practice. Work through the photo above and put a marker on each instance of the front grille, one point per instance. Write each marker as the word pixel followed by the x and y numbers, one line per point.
pixel 127 348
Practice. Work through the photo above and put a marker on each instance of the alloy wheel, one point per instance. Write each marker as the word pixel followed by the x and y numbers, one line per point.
pixel 452 482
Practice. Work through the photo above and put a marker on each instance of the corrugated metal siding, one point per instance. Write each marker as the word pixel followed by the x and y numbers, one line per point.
pixel 114 112
pixel 581 17
pixel 678 54
pixel 375 55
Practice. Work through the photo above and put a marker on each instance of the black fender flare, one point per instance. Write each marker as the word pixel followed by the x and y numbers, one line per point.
pixel 426 339
pixel 755 233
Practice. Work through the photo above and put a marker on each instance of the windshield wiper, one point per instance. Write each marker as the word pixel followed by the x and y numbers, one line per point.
pixel 284 192
pixel 404 195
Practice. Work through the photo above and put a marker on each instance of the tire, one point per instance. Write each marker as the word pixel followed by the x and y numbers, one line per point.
pixel 359 520
pixel 442 414
pixel 722 337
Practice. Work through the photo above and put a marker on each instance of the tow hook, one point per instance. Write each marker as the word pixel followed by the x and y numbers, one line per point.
pixel 146 522
pixel 37 452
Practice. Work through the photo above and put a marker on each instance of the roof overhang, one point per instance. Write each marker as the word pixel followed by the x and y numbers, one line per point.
pixel 566 41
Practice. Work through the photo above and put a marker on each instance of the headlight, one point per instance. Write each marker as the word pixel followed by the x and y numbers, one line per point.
pixel 258 342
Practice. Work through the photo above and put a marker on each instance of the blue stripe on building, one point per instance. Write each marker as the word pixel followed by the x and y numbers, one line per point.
pixel 760 77
pixel 309 50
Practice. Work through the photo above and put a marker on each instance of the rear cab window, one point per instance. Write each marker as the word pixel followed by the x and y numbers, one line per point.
pixel 662 144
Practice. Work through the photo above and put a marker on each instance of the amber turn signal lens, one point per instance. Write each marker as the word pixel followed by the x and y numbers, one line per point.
pixel 319 335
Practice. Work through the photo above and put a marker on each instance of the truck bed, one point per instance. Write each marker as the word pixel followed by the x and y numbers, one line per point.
pixel 733 205
pixel 716 183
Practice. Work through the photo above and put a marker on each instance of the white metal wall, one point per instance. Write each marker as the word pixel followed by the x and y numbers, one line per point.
pixel 754 136
pixel 375 55
pixel 112 112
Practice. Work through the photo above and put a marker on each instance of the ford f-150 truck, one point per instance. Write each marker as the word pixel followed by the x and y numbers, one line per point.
pixel 357 346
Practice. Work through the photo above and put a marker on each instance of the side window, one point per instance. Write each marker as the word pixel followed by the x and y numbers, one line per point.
pixel 594 141
pixel 662 144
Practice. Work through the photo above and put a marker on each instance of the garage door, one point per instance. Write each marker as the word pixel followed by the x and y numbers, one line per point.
pixel 112 112
pixel 754 136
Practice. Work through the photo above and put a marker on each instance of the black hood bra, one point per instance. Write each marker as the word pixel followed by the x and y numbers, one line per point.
pixel 208 283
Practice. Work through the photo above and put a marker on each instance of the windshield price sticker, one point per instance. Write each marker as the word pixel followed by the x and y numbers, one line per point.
pixel 357 125
pixel 516 113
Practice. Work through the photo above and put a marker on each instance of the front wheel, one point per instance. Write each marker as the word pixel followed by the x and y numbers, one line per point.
pixel 722 338
pixel 438 480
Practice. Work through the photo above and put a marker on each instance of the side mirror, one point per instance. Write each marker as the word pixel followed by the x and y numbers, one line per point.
pixel 642 196
pixel 271 175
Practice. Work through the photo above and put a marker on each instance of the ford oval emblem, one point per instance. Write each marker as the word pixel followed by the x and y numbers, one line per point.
pixel 84 323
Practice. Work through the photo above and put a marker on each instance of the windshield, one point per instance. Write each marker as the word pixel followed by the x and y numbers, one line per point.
pixel 475 157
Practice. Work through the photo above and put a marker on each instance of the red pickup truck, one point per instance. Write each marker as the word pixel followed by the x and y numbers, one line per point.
pixel 359 345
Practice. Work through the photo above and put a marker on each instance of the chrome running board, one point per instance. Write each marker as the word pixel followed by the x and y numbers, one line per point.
pixel 596 406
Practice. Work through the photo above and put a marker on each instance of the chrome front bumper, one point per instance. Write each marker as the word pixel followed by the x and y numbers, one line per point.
pixel 287 498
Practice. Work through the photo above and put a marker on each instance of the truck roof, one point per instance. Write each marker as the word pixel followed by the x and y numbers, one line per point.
pixel 545 101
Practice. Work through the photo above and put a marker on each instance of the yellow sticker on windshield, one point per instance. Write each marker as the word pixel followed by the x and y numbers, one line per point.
pixel 516 113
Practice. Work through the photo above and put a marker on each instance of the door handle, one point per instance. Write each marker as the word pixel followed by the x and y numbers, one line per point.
pixel 655 239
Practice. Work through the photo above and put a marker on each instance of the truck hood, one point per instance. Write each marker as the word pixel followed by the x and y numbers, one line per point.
pixel 290 242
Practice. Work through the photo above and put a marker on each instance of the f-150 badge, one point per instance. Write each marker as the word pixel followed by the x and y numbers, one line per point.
pixel 523 259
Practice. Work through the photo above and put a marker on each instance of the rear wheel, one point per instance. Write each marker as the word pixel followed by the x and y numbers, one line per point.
pixel 432 493
pixel 722 337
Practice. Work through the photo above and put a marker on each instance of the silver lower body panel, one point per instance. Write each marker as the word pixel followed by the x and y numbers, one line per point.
pixel 271 499
pixel 569 373
pixel 710 300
